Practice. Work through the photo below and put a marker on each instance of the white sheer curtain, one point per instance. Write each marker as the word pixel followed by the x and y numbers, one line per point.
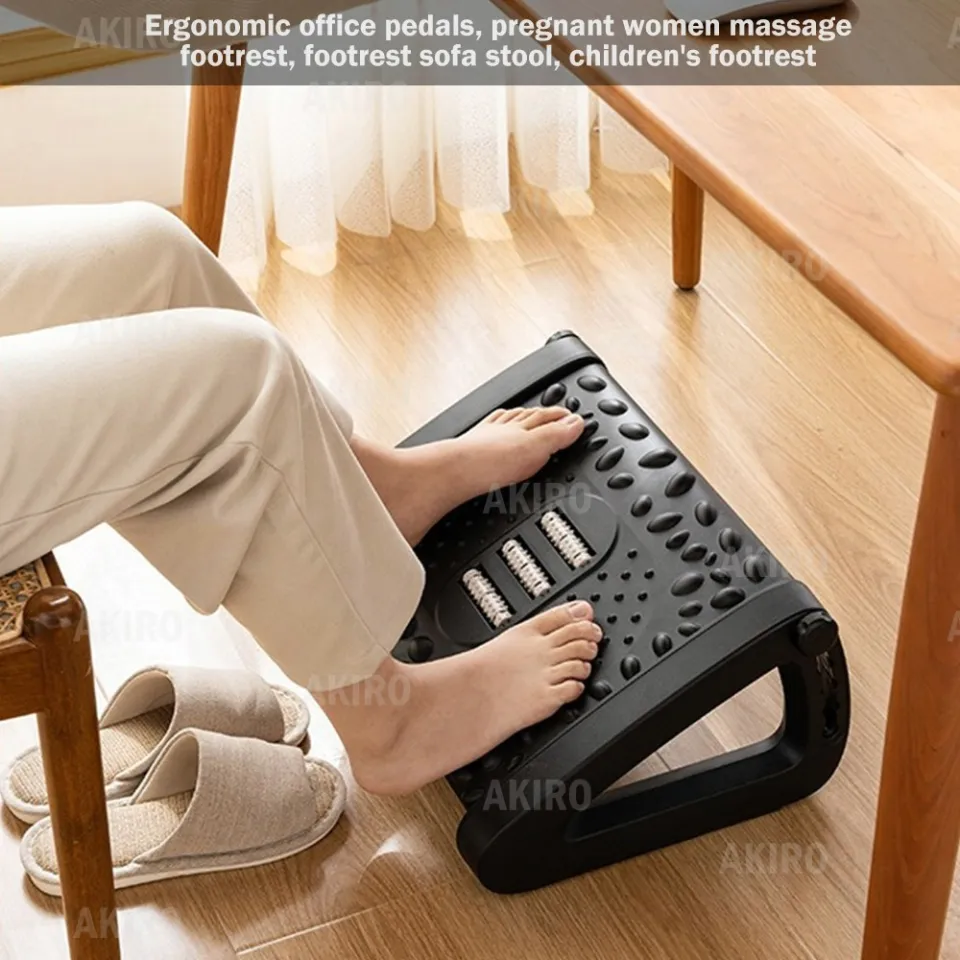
pixel 312 160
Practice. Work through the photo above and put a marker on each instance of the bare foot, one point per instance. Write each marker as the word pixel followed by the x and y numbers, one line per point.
pixel 421 484
pixel 411 724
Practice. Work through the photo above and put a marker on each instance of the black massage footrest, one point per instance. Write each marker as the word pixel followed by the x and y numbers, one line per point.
pixel 694 609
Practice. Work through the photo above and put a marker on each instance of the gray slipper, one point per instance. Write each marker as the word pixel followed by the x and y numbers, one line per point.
pixel 209 803
pixel 148 710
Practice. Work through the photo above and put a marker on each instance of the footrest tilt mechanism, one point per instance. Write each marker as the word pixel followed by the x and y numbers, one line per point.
pixel 694 610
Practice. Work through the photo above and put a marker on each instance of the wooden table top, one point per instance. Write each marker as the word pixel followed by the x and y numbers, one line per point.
pixel 859 185
pixel 31 53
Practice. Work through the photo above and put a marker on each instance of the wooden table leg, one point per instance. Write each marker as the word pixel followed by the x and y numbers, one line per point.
pixel 214 108
pixel 55 621
pixel 687 230
pixel 918 820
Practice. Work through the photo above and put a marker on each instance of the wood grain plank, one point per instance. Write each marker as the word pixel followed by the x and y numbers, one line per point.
pixel 463 921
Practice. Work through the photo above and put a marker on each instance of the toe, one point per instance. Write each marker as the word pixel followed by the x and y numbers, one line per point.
pixel 541 415
pixel 578 650
pixel 568 691
pixel 495 417
pixel 559 434
pixel 569 670
pixel 517 413
pixel 581 631
pixel 529 413
pixel 557 617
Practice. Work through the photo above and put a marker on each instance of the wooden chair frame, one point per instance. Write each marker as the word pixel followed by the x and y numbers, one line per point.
pixel 48 671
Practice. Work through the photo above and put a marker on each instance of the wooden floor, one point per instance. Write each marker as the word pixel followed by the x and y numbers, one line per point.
pixel 807 427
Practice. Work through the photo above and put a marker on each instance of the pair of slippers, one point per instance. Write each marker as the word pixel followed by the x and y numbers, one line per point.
pixel 202 773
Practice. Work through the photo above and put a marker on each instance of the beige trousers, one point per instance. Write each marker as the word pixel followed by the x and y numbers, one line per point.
pixel 139 387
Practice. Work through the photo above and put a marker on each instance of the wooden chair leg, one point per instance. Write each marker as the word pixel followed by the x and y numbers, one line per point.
pixel 214 108
pixel 918 820
pixel 56 623
pixel 687 230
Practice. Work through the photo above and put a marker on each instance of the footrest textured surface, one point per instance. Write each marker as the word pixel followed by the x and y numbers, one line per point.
pixel 694 609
